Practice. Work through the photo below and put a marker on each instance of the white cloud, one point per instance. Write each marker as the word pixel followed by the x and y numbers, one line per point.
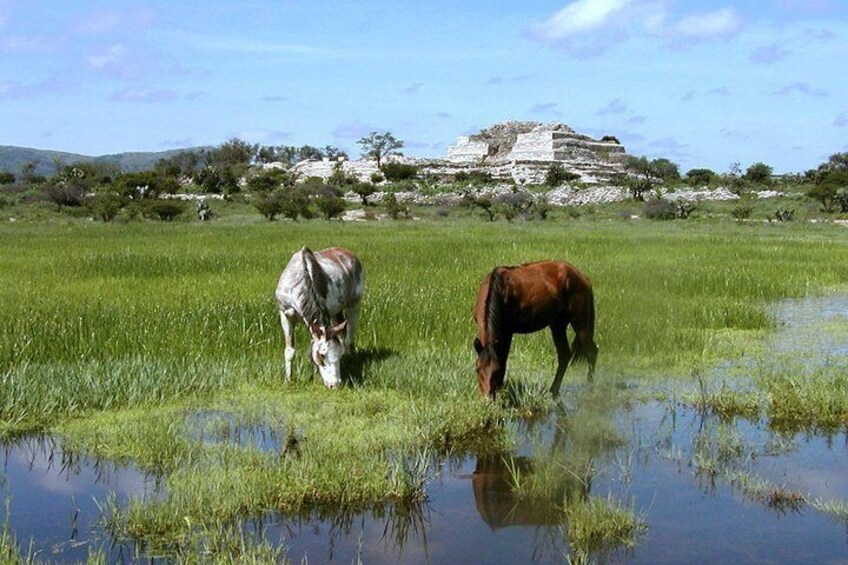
pixel 578 17
pixel 108 56
pixel 589 27
pixel 719 24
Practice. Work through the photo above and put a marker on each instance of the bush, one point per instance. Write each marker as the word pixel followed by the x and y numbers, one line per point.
pixel 784 215
pixel 364 190
pixel 7 178
pixel 758 173
pixel 165 210
pixel 377 178
pixel 399 171
pixel 473 177
pixel 393 208
pixel 660 209
pixel 289 203
pixel 267 181
pixel 64 194
pixel 340 177
pixel 329 202
pixel 513 205
pixel 700 177
pixel 106 205
pixel 557 175
pixel 742 211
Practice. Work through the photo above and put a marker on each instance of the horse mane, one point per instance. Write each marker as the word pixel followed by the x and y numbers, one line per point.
pixel 494 308
pixel 312 290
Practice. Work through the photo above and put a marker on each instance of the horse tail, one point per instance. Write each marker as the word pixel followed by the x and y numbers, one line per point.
pixel 584 346
pixel 495 307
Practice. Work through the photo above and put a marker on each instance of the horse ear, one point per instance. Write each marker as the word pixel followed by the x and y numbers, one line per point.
pixel 478 347
pixel 339 328
pixel 314 328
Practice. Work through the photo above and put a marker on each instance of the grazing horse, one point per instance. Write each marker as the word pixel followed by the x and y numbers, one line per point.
pixel 323 290
pixel 526 299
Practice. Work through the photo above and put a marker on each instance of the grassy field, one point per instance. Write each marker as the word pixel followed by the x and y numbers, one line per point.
pixel 125 339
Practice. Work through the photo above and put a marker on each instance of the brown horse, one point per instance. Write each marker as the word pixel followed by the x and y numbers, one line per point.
pixel 526 299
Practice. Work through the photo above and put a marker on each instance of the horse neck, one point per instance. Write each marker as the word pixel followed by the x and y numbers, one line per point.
pixel 313 290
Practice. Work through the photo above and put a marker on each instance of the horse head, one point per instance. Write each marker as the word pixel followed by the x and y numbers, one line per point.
pixel 327 350
pixel 490 369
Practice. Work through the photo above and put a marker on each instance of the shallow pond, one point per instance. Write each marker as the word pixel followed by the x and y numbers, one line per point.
pixel 709 490
pixel 472 514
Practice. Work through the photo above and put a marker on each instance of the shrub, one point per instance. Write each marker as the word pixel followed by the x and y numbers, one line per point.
pixel 106 205
pixel 64 194
pixel 393 208
pixel 329 202
pixel 364 190
pixel 784 215
pixel 289 203
pixel 700 177
pixel 473 177
pixel 557 175
pixel 758 173
pixel 7 178
pixel 742 211
pixel 541 209
pixel 399 171
pixel 267 181
pixel 165 210
pixel 660 209
pixel 340 177
pixel 514 204
pixel 377 178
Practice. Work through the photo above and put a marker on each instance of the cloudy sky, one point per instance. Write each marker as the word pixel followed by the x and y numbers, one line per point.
pixel 703 82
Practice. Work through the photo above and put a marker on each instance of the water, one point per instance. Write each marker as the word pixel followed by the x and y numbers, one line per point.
pixel 51 498
pixel 676 466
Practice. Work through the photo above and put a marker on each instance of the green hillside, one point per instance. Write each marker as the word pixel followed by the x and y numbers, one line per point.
pixel 12 158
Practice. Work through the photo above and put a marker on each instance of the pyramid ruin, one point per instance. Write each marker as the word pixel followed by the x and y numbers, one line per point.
pixel 518 151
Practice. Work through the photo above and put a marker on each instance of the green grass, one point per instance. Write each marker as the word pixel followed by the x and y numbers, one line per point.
pixel 116 336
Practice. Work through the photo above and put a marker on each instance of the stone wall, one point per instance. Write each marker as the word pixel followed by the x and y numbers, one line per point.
pixel 324 169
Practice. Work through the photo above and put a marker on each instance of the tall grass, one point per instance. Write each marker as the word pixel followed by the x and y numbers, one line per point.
pixel 113 335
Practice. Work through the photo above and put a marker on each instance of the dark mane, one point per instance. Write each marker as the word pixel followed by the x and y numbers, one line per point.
pixel 494 309
pixel 314 289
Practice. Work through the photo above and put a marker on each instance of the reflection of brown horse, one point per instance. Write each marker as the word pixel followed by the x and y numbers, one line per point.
pixel 527 299
pixel 496 501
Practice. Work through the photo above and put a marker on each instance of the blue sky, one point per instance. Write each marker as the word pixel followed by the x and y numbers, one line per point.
pixel 702 82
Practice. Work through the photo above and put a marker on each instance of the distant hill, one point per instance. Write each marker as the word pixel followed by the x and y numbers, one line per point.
pixel 12 158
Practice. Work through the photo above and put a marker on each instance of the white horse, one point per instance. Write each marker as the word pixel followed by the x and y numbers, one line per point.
pixel 323 290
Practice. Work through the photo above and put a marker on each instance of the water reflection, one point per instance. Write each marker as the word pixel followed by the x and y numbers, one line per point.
pixel 52 497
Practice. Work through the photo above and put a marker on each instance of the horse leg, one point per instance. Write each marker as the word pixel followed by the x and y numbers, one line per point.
pixel 288 330
pixel 563 356
pixel 352 315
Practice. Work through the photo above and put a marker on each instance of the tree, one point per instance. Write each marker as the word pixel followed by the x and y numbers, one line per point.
pixel 364 190
pixel 758 173
pixel 267 180
pixel 379 145
pixel 557 175
pixel 831 183
pixel 329 203
pixel 665 169
pixel 106 205
pixel 333 153
pixel 700 177
pixel 734 180
pixel 395 172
